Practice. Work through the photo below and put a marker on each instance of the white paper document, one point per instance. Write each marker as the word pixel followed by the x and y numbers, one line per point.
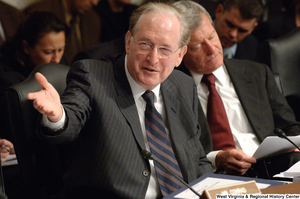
pixel 274 145
pixel 10 160
pixel 293 171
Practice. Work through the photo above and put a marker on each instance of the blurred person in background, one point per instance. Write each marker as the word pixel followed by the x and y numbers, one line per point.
pixel 115 16
pixel 84 24
pixel 284 23
pixel 10 19
pixel 40 39
pixel 234 22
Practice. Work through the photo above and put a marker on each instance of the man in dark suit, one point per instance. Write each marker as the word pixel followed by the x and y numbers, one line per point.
pixel 10 19
pixel 234 22
pixel 253 103
pixel 104 111
pixel 83 22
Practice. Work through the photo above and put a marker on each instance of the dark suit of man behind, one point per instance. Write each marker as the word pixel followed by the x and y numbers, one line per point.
pixel 104 111
pixel 264 105
pixel 242 50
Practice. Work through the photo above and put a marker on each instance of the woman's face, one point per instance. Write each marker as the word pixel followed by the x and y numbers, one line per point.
pixel 49 49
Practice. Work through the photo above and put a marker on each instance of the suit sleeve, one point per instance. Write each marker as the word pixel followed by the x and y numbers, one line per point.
pixel 76 101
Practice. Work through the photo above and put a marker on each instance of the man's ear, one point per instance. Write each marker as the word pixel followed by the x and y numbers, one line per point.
pixel 219 10
pixel 181 55
pixel 128 40
pixel 254 25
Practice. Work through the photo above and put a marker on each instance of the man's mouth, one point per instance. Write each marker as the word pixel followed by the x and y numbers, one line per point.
pixel 149 69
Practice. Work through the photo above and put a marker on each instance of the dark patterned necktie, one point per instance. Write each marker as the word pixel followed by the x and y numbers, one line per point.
pixel 217 118
pixel 160 147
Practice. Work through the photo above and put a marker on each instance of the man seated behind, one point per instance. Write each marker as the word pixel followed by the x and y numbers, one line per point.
pixel 253 103
pixel 234 22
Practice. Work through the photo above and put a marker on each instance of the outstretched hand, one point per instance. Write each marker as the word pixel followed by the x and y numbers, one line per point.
pixel 47 100
pixel 234 161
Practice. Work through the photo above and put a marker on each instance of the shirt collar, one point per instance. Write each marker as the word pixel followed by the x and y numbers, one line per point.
pixel 220 75
pixel 138 90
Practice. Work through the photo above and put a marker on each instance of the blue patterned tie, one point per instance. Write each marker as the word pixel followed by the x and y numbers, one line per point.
pixel 160 147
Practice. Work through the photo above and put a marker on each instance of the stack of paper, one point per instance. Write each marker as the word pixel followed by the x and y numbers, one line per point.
pixel 293 171
pixel 273 145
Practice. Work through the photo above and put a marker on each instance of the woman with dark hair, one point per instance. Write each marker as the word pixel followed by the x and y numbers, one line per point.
pixel 40 39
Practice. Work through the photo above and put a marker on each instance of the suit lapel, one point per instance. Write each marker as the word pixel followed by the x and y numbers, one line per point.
pixel 126 101
pixel 171 105
pixel 246 89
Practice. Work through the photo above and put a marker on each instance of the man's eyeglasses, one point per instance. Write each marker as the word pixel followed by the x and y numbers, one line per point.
pixel 146 48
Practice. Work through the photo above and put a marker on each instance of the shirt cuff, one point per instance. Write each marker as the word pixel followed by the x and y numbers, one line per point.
pixel 211 156
pixel 55 126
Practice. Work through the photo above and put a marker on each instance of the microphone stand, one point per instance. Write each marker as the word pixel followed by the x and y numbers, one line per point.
pixel 281 134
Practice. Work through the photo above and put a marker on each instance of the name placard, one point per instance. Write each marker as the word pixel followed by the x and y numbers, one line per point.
pixel 249 187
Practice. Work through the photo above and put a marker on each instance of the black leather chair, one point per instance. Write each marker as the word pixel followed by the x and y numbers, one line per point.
pixel 40 164
pixel 282 55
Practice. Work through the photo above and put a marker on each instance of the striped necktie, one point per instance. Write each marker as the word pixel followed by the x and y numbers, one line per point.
pixel 160 147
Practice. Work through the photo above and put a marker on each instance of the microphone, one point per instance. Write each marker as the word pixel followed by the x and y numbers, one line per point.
pixel 281 134
pixel 149 156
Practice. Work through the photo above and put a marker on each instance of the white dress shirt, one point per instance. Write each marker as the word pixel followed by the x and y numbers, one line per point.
pixel 243 134
pixel 153 190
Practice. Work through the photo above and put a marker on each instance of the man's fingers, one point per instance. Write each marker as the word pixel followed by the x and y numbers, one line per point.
pixel 234 161
pixel 241 156
pixel 41 79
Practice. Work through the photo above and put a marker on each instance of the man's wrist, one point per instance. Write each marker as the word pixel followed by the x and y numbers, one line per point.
pixel 55 126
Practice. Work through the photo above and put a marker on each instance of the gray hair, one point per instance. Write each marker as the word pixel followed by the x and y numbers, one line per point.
pixel 192 13
pixel 156 7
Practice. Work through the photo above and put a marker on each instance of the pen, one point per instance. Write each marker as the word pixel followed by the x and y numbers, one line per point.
pixel 4 147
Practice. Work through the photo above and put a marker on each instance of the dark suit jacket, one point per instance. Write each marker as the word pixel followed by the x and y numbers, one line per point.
pixel 264 105
pixel 10 19
pixel 98 51
pixel 102 114
pixel 90 24
pixel 247 49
